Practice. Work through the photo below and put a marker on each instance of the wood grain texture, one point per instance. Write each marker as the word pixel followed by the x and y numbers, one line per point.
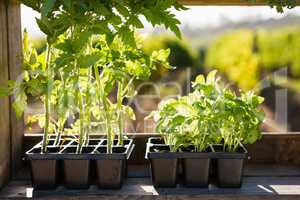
pixel 15 71
pixel 227 2
pixel 276 149
pixel 141 189
pixel 4 102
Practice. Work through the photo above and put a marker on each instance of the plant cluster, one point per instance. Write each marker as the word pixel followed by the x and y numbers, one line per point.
pixel 92 52
pixel 211 114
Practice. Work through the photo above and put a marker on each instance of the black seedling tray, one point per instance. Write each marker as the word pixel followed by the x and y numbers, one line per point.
pixel 91 152
pixel 230 166
pixel 76 167
pixel 164 151
pixel 164 165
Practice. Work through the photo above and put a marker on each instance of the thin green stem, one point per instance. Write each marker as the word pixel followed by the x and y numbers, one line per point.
pixel 102 99
pixel 120 112
pixel 88 110
pixel 47 100
pixel 81 123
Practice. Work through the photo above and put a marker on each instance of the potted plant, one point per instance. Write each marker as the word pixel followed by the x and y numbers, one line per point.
pixel 241 119
pixel 76 76
pixel 183 136
pixel 187 129
pixel 192 125
pixel 236 119
pixel 37 81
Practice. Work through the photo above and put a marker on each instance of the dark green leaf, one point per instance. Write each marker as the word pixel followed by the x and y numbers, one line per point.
pixel 47 6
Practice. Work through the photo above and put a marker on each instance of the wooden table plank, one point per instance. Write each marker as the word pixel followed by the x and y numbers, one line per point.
pixel 141 188
pixel 263 181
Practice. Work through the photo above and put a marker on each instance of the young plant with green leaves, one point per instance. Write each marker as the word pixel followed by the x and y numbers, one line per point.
pixel 36 81
pixel 118 66
pixel 210 114
pixel 76 22
pixel 236 118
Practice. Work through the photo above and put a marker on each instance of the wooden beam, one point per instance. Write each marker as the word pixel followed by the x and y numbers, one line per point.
pixel 226 2
pixel 15 71
pixel 4 102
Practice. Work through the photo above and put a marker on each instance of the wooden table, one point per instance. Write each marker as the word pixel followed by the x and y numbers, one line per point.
pixel 260 182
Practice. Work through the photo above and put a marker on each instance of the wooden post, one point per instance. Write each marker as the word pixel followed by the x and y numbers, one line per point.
pixel 15 71
pixel 11 129
pixel 5 145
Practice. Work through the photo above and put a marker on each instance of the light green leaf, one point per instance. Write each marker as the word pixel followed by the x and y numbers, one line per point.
pixel 211 77
pixel 200 79
pixel 88 60
pixel 161 55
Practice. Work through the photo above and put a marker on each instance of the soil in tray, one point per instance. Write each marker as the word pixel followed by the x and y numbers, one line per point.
pixel 157 141
pixel 73 150
pixel 219 149
pixel 117 149
pixel 192 149
pixel 160 149
pixel 50 149
pixel 125 142
pixel 93 142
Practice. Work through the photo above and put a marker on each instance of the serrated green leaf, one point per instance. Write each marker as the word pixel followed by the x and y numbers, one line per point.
pixel 122 10
pixel 47 6
pixel 44 26
pixel 135 21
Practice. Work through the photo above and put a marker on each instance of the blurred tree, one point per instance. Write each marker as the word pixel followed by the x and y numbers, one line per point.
pixel 280 48
pixel 233 54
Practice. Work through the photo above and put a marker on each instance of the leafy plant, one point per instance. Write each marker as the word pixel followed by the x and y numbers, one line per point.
pixel 210 114
pixel 91 49
pixel 120 65
pixel 77 73
pixel 110 18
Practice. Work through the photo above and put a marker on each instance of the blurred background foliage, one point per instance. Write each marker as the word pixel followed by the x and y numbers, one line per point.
pixel 182 55
pixel 244 54
pixel 234 54
pixel 280 48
